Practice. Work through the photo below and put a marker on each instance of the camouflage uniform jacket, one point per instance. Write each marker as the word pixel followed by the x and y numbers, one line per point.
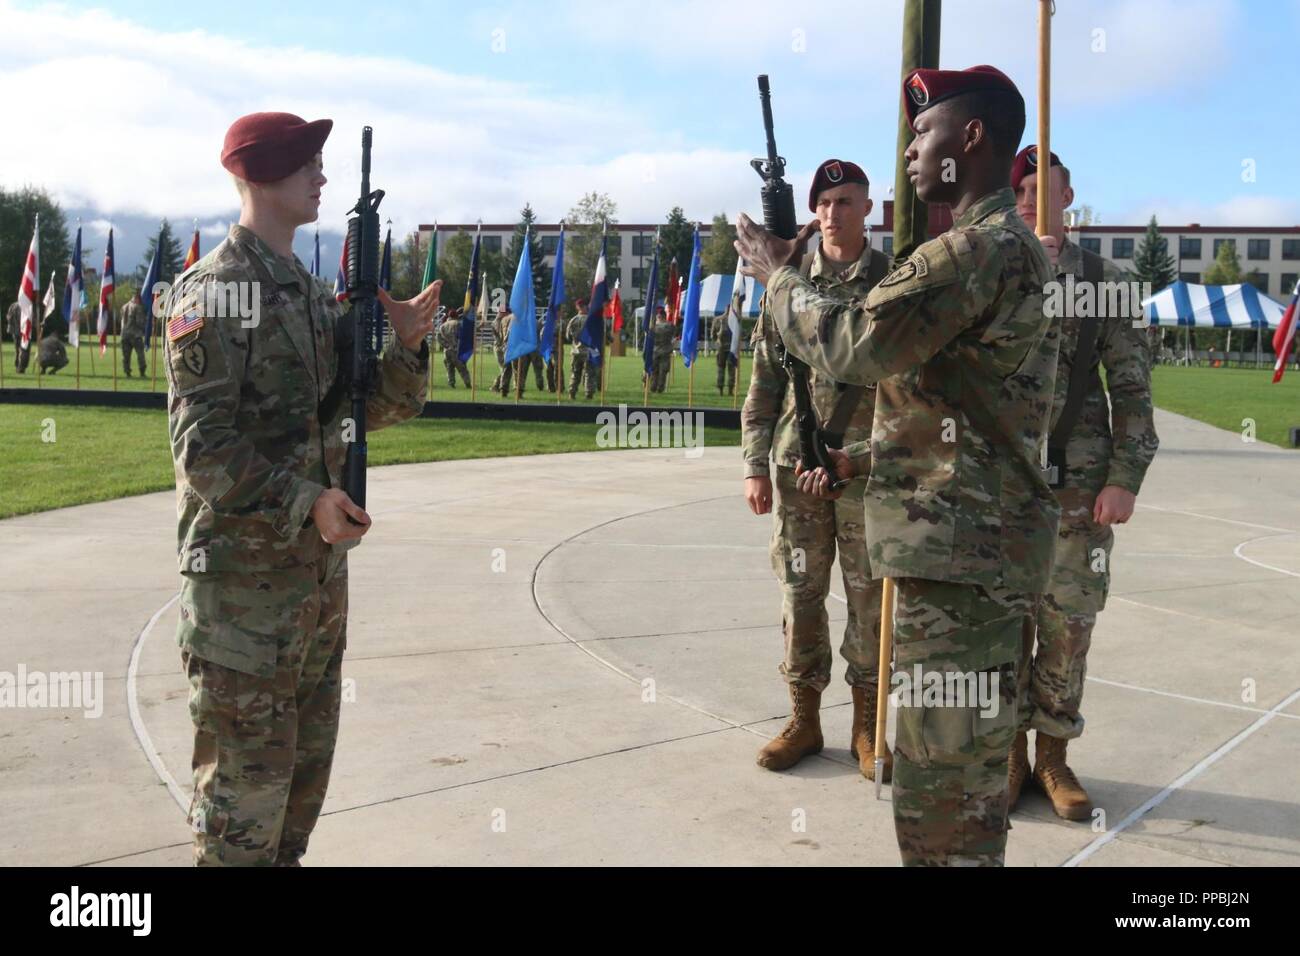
pixel 768 417
pixel 253 437
pixel 1110 444
pixel 965 361
pixel 449 333
pixel 722 332
pixel 133 320
pixel 663 334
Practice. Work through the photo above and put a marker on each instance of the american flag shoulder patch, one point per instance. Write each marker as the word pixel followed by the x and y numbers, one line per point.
pixel 182 324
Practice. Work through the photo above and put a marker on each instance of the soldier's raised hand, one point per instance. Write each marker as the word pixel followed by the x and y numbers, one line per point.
pixel 764 253
pixel 331 512
pixel 412 318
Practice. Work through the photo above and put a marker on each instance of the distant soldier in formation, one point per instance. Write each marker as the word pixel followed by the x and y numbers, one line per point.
pixel 534 361
pixel 14 319
pixel 583 368
pixel 53 356
pixel 663 353
pixel 726 361
pixel 505 319
pixel 132 337
pixel 499 332
pixel 449 341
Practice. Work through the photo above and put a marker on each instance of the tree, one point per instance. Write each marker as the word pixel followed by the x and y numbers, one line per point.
pixel 675 241
pixel 583 227
pixel 453 268
pixel 1083 216
pixel 1153 263
pixel 1226 268
pixel 541 280
pixel 719 257
pixel 18 212
pixel 172 256
pixel 408 267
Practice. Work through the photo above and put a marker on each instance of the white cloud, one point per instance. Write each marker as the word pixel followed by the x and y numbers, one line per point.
pixel 1237 211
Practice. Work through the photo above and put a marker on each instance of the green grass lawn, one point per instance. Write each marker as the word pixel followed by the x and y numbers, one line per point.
pixel 1223 397
pixel 102 453
pixel 623 386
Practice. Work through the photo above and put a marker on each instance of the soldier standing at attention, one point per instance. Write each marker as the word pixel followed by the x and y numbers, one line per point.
pixel 257 417
pixel 806 529
pixel 726 361
pixel 581 366
pixel 449 340
pixel 957 510
pixel 663 354
pixel 132 334
pixel 505 318
pixel 1107 446
pixel 534 361
pixel 499 347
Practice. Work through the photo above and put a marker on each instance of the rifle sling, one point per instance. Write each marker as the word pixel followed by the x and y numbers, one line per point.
pixel 1084 361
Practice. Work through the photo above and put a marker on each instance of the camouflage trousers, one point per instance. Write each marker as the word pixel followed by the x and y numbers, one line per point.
pixel 659 369
pixel 806 531
pixel 500 351
pixel 1056 665
pixel 583 371
pixel 132 344
pixel 533 360
pixel 726 370
pixel 951 749
pixel 264 745
pixel 451 359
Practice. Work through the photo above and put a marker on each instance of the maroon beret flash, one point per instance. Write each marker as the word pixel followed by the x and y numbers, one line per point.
pixel 264 147
pixel 924 88
pixel 834 172
pixel 1026 163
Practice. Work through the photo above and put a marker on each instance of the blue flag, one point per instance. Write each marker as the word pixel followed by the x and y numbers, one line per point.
pixel 556 300
pixel 523 330
pixel 691 323
pixel 471 296
pixel 593 332
pixel 385 283
pixel 73 293
pixel 651 297
pixel 147 288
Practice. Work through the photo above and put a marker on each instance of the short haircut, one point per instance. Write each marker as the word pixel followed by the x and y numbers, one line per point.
pixel 1001 111
pixel 1065 174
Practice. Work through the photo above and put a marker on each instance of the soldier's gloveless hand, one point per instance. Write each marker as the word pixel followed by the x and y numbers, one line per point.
pixel 1114 505
pixel 764 253
pixel 817 482
pixel 1052 249
pixel 412 318
pixel 331 512
pixel 758 494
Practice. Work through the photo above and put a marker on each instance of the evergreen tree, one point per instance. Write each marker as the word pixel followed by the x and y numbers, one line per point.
pixel 1226 268
pixel 453 268
pixel 583 226
pixel 18 211
pixel 541 275
pixel 1153 263
pixel 173 257
pixel 675 241
pixel 719 256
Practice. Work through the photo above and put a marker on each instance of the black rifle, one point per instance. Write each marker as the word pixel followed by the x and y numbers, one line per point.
pixel 778 218
pixel 363 288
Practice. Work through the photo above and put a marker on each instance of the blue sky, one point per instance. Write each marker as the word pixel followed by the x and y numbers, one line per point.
pixel 1156 104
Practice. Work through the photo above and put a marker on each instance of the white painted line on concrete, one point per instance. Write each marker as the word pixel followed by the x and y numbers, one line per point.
pixel 1196 514
pixel 1193 700
pixel 1260 564
pixel 137 722
pixel 1178 784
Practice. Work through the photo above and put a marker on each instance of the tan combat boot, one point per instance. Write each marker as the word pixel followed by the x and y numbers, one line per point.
pixel 1017 769
pixel 1058 781
pixel 801 736
pixel 862 743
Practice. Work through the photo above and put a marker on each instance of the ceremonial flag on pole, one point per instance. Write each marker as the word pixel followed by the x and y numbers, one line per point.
pixel 651 296
pixel 192 256
pixel 616 308
pixel 593 331
pixel 523 303
pixel 341 280
pixel 556 300
pixel 670 297
pixel 106 296
pixel 691 319
pixel 1285 335
pixel 49 301
pixel 385 283
pixel 315 257
pixel 29 287
pixel 471 294
pixel 151 277
pixel 737 304
pixel 73 292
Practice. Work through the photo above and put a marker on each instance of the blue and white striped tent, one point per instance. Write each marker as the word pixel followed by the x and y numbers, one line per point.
pixel 715 295
pixel 1213 306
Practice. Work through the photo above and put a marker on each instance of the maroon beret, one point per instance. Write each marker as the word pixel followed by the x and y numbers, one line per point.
pixel 1026 163
pixel 834 172
pixel 924 88
pixel 264 147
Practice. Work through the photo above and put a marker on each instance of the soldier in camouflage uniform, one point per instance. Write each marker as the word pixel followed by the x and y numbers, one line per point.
pixel 505 318
pixel 958 512
pixel 663 351
pixel 583 369
pixel 449 341
pixel 131 339
pixel 52 354
pixel 258 419
pixel 22 356
pixel 1108 449
pixel 726 361
pixel 534 361
pixel 499 347
pixel 807 530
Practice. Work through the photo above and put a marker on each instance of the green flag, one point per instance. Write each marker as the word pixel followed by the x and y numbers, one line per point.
pixel 920 50
pixel 431 261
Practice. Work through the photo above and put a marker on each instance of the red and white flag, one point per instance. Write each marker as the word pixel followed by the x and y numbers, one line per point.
pixel 1284 337
pixel 29 287
pixel 106 293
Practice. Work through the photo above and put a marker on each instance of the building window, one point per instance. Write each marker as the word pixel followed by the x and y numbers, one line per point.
pixel 1121 248
pixel 1091 244
pixel 643 245
pixel 492 244
pixel 1189 248
pixel 639 275
pixel 1291 248
pixel 1192 277
pixel 550 244
pixel 1258 281
pixel 1257 249
pixel 887 245
pixel 1219 243
pixel 1288 283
